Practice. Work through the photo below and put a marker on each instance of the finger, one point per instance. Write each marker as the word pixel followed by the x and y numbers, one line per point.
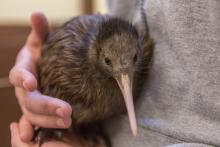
pixel 26 129
pixel 40 30
pixel 14 133
pixel 46 105
pixel 48 121
pixel 40 25
pixel 20 77
pixel 15 140
pixel 30 53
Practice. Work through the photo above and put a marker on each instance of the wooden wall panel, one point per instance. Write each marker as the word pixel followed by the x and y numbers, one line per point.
pixel 11 40
pixel 9 111
pixel 88 6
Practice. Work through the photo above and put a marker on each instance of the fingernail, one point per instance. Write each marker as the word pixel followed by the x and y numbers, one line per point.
pixel 60 113
pixel 61 123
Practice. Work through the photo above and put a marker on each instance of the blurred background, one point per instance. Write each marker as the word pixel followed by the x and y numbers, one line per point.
pixel 14 28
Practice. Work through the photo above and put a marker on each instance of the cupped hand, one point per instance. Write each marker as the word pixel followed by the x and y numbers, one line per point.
pixel 38 109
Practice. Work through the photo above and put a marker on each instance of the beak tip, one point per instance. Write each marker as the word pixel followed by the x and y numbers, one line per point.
pixel 134 132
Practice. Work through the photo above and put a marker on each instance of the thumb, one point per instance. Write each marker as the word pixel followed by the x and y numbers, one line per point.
pixel 40 29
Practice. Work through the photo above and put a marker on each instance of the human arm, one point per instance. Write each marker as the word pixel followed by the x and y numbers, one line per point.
pixel 38 110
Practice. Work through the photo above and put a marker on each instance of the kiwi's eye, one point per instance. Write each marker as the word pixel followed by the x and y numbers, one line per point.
pixel 108 61
pixel 135 58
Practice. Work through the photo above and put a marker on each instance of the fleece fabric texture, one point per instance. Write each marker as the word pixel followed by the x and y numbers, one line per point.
pixel 180 106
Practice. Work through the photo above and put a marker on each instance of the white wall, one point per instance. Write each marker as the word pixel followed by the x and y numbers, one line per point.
pixel 19 11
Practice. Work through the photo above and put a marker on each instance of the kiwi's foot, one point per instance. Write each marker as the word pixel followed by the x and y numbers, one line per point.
pixel 89 136
pixel 44 134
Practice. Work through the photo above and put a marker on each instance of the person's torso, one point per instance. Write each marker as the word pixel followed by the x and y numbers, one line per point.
pixel 182 99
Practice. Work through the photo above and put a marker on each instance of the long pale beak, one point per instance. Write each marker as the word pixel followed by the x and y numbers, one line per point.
pixel 125 84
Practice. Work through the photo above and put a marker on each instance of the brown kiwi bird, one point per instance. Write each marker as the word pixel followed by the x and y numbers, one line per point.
pixel 95 63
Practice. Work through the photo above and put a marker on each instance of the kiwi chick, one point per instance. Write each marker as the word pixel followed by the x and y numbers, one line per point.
pixel 95 63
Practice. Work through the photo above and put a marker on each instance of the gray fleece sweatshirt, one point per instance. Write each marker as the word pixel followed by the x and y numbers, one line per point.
pixel 180 106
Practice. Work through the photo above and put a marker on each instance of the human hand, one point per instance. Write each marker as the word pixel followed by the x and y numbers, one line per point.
pixel 17 142
pixel 38 110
